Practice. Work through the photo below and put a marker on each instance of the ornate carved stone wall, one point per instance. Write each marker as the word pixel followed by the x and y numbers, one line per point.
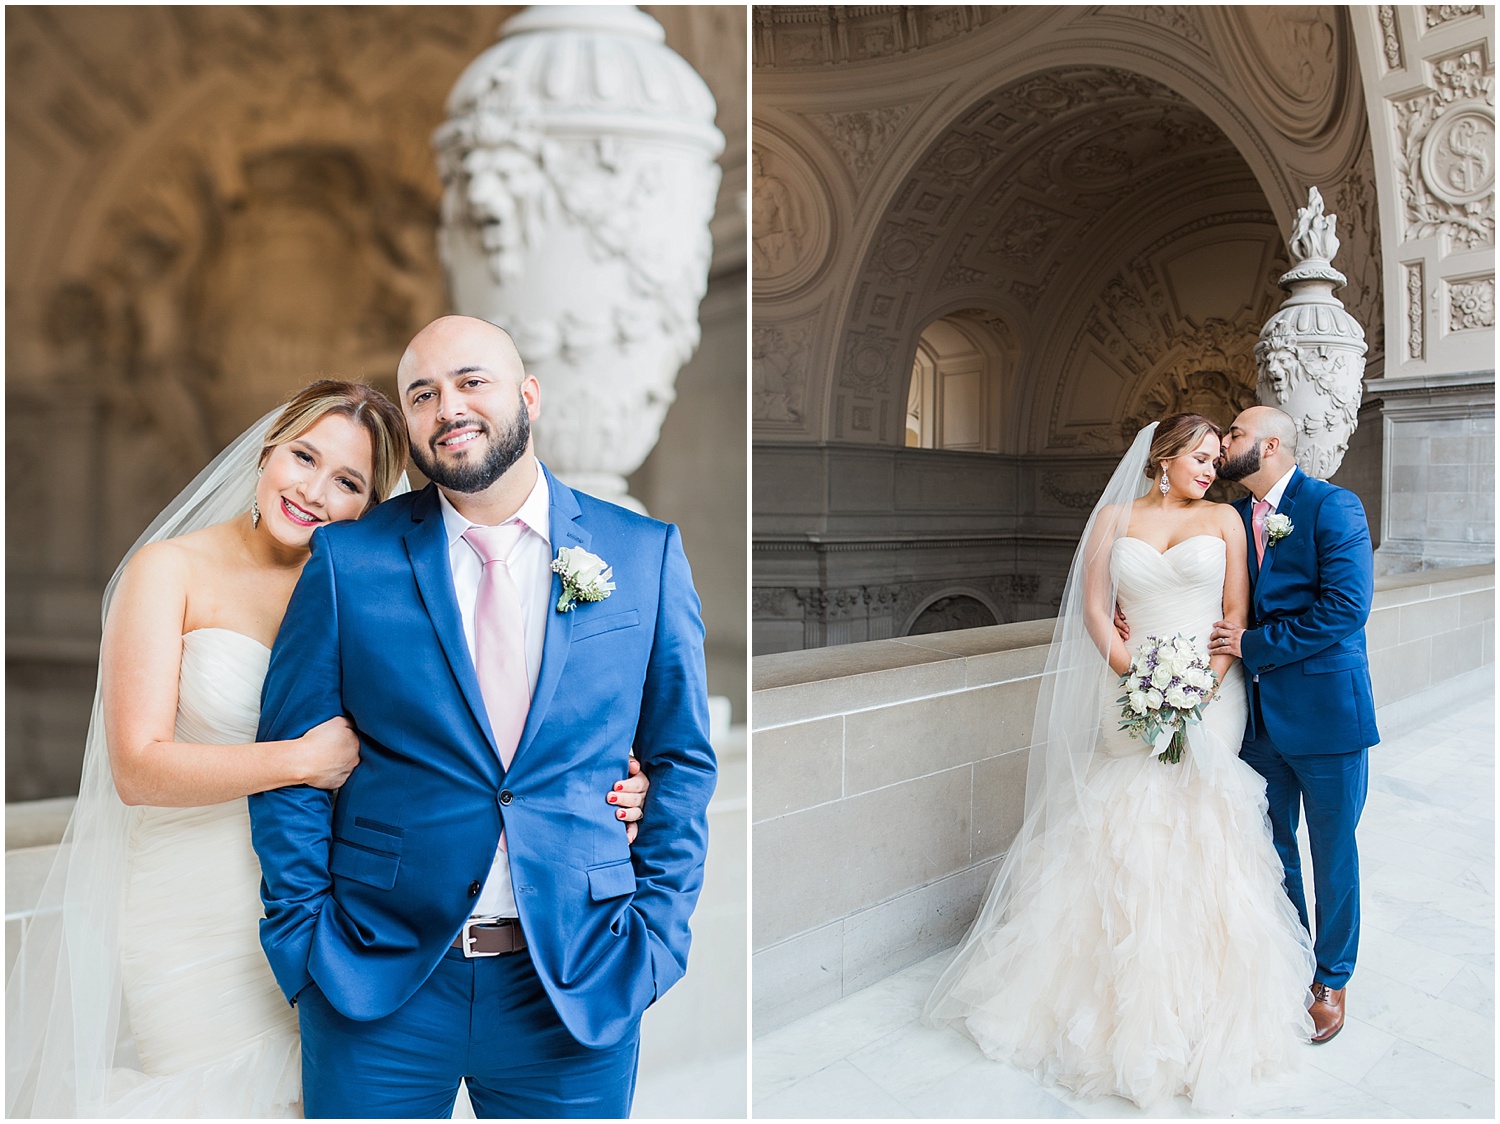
pixel 1429 81
pixel 1109 184
pixel 209 206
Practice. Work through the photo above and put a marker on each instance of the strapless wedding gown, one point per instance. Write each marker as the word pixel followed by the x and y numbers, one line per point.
pixel 214 1036
pixel 1159 954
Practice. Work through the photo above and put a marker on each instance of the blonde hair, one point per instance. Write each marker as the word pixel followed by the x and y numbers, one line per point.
pixel 364 406
pixel 1178 434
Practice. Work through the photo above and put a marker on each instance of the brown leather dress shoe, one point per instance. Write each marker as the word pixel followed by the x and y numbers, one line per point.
pixel 1327 1012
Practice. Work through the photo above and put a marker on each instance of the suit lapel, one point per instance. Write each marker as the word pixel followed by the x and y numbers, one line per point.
pixel 1288 501
pixel 565 531
pixel 427 548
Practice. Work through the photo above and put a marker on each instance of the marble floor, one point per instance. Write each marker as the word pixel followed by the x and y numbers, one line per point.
pixel 1420 1036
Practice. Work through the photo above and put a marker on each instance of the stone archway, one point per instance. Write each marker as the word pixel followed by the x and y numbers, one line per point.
pixel 958 381
pixel 1117 220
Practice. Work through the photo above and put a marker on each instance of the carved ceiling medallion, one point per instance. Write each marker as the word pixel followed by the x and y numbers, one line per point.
pixel 790 229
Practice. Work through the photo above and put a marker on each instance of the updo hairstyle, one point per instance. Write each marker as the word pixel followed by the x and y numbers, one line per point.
pixel 364 406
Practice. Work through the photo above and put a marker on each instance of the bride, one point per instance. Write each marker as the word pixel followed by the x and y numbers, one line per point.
pixel 140 988
pixel 1137 940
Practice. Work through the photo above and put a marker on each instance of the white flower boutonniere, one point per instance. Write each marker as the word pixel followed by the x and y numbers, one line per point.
pixel 585 577
pixel 1278 527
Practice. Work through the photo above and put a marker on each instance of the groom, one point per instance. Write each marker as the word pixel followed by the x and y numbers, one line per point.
pixel 1312 714
pixel 468 908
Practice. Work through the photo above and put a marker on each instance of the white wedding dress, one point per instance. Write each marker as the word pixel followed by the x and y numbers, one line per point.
pixel 1149 949
pixel 213 1033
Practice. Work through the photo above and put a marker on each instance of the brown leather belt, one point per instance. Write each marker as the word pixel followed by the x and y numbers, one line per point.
pixel 479 937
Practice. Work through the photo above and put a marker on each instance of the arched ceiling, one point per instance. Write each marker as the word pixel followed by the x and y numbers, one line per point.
pixel 1026 205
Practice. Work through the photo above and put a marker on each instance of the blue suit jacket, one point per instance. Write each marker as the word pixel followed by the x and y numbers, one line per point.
pixel 1309 602
pixel 365 892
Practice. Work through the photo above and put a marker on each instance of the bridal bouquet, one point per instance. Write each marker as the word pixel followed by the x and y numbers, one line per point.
pixel 1168 682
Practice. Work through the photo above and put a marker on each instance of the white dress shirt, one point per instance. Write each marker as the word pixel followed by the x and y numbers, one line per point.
pixel 530 565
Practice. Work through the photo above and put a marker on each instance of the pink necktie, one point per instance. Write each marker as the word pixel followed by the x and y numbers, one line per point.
pixel 1258 525
pixel 500 647
pixel 499 639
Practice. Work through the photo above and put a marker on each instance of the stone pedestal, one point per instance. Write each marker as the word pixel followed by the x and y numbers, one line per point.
pixel 1438 472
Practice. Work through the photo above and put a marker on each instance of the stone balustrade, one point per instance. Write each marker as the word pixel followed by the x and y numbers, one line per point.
pixel 890 777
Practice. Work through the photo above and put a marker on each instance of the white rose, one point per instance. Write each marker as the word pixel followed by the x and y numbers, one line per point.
pixel 1161 676
pixel 1197 677
pixel 1153 700
pixel 1138 701
pixel 1179 698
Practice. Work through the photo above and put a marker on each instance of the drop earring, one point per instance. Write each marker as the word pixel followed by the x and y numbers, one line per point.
pixel 1164 486
pixel 255 504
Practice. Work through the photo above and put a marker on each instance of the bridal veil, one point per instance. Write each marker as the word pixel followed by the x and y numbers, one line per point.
pixel 1068 719
pixel 63 997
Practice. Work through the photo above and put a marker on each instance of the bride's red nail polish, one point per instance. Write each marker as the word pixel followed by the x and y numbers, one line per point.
pixel 613 798
pixel 619 786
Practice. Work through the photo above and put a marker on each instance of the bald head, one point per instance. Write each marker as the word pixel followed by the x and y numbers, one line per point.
pixel 1262 422
pixel 1260 448
pixel 450 344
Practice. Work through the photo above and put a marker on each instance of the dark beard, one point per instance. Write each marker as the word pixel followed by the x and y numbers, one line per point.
pixel 1246 464
pixel 467 477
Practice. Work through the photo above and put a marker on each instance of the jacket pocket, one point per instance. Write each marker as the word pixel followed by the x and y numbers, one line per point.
pixel 366 854
pixel 594 623
pixel 611 880
pixel 1343 661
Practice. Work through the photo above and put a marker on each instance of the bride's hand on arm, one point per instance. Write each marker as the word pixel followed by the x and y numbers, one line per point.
pixel 1099 600
pixel 141 660
pixel 629 799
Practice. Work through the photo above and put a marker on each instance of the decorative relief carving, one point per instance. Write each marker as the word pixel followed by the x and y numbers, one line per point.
pixel 789 220
pixel 1416 310
pixel 1390 37
pixel 579 172
pixel 779 357
pixel 1310 359
pixel 1024 231
pixel 860 137
pixel 801 37
pixel 1446 156
pixel 1438 14
pixel 1471 304
pixel 958 274
pixel 1076 491
pixel 867 360
pixel 1355 200
pixel 899 249
pixel 959 160
pixel 1176 18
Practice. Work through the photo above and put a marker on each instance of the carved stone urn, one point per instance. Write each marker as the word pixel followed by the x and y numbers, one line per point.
pixel 1310 358
pixel 579 179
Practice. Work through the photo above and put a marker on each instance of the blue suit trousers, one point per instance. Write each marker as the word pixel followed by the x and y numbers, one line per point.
pixel 486 1021
pixel 1331 788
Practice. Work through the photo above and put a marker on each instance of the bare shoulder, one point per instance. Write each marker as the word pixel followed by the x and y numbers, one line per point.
pixel 1226 519
pixel 170 566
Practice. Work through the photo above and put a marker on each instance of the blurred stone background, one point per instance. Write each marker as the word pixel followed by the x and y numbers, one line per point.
pixel 207 207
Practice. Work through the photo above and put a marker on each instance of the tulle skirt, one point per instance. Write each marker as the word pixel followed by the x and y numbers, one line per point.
pixel 1149 949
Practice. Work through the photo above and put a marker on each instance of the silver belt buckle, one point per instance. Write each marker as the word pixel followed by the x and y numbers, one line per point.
pixel 471 938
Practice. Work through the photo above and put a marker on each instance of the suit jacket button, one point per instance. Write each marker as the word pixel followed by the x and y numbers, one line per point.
pixel 474 889
pixel 505 796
